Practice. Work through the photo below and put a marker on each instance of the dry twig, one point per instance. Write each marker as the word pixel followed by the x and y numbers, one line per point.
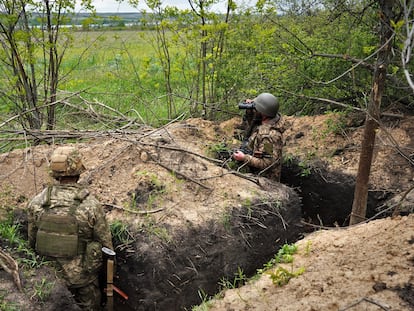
pixel 386 308
pixel 10 266
pixel 134 212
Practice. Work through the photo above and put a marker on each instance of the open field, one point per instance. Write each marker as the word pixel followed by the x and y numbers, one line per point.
pixel 110 66
pixel 117 68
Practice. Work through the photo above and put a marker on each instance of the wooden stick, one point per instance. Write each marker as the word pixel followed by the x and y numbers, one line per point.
pixel 10 266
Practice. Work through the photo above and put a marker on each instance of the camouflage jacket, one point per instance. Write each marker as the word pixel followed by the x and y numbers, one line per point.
pixel 266 143
pixel 92 230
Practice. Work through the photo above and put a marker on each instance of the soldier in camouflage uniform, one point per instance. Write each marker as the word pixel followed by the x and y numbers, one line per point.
pixel 68 225
pixel 266 140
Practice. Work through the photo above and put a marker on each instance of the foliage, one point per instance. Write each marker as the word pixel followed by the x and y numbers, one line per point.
pixel 6 305
pixel 120 233
pixel 152 228
pixel 42 290
pixel 305 169
pixel 314 57
pixel 335 124
pixel 11 232
pixel 239 279
pixel 32 58
pixel 284 255
pixel 205 302
pixel 280 275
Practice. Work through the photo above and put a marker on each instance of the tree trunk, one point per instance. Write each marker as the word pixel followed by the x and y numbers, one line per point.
pixel 359 205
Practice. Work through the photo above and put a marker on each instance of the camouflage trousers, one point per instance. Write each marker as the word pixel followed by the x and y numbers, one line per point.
pixel 88 297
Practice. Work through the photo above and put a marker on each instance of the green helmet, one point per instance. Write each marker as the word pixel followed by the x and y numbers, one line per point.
pixel 66 161
pixel 267 104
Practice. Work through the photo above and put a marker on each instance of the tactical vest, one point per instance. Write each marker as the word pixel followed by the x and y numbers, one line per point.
pixel 58 229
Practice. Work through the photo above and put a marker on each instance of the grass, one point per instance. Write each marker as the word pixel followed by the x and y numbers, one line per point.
pixel 239 279
pixel 278 274
pixel 120 69
pixel 42 290
pixel 284 255
pixel 121 234
pixel 11 233
pixel 205 302
pixel 153 229
pixel 15 244
pixel 7 305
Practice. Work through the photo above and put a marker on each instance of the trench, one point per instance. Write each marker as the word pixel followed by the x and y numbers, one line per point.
pixel 327 195
pixel 161 276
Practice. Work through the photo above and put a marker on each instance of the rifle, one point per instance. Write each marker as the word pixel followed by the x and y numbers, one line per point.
pixel 109 255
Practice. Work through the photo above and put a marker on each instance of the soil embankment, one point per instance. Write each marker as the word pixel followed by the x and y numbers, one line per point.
pixel 188 223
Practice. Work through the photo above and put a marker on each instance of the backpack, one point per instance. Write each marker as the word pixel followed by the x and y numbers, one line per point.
pixel 58 229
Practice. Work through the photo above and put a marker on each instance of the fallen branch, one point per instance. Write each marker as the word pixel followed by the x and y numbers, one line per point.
pixel 320 226
pixel 386 308
pixel 10 266
pixel 46 135
pixel 174 148
pixel 399 204
pixel 133 211
pixel 177 173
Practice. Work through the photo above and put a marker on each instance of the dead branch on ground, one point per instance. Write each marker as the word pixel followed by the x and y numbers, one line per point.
pixel 153 211
pixel 386 308
pixel 10 266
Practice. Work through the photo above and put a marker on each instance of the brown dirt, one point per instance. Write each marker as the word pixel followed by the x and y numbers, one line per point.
pixel 171 189
pixel 365 267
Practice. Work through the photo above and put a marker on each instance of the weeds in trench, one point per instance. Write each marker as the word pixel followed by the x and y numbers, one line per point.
pixel 239 279
pixel 27 256
pixel 305 169
pixel 248 205
pixel 284 255
pixel 121 234
pixel 152 228
pixel 303 164
pixel 42 290
pixel 10 232
pixel 205 302
pixel 219 150
pixel 280 275
pixel 226 220
pixel 7 305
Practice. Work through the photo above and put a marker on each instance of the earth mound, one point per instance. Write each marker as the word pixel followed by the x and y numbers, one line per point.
pixel 187 221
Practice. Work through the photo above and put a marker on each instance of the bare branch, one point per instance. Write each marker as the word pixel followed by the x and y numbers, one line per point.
pixel 386 308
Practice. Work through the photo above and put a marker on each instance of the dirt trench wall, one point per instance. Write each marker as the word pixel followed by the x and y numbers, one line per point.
pixel 327 196
pixel 169 276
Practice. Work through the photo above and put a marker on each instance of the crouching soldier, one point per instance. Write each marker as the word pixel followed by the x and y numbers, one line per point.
pixel 68 224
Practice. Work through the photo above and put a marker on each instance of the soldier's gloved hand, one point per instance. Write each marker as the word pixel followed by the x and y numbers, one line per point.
pixel 239 156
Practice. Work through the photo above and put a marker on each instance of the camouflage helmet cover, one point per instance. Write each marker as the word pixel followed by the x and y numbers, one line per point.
pixel 66 161
pixel 267 104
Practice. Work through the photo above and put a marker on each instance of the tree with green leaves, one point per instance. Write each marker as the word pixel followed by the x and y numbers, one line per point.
pixel 32 56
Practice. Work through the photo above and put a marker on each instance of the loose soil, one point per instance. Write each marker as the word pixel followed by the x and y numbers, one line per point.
pixel 184 211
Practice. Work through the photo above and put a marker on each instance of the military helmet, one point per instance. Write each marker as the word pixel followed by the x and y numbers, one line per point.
pixel 267 104
pixel 66 161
